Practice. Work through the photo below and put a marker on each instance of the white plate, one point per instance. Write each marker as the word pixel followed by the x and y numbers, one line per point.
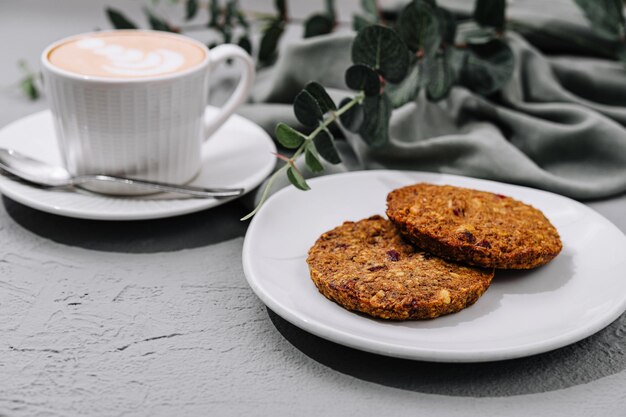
pixel 523 313
pixel 238 155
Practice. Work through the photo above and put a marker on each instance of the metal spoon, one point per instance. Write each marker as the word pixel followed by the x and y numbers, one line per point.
pixel 45 175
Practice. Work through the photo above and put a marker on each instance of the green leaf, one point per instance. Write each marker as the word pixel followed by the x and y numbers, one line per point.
pixel 456 58
pixel 326 147
pixel 29 88
pixel 214 12
pixel 352 118
pixel 245 44
pixel 360 77
pixel 360 22
pixel 311 158
pixel 370 7
pixel 490 13
pixel 318 24
pixel 487 67
pixel 118 20
pixel 156 22
pixel 28 84
pixel 241 18
pixel 281 6
pixel 288 136
pixel 330 10
pixel 191 9
pixel 406 91
pixel 307 109
pixel 321 96
pixel 382 49
pixel 440 76
pixel 606 16
pixel 447 25
pixel 297 179
pixel 269 41
pixel 418 26
pixel 227 32
pixel 375 127
pixel 230 12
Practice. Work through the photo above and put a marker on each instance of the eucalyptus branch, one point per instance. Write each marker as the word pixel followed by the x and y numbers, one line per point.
pixel 306 143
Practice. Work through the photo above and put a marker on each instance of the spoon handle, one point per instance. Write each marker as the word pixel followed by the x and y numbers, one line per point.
pixel 161 186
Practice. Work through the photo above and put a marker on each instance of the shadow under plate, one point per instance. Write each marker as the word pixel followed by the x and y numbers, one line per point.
pixel 597 356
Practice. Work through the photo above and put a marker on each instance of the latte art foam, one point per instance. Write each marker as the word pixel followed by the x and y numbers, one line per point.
pixel 127 54
pixel 131 61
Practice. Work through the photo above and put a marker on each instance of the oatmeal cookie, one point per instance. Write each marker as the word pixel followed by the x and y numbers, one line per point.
pixel 475 227
pixel 367 266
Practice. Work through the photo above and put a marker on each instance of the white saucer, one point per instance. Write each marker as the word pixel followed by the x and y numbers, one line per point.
pixel 238 155
pixel 521 314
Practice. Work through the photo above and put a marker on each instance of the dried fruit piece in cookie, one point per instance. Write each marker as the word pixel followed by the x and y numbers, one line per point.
pixel 367 266
pixel 476 227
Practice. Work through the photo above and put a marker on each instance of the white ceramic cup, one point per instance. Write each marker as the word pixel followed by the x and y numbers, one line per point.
pixel 147 128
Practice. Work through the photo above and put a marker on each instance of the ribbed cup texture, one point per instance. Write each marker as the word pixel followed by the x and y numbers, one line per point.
pixel 150 129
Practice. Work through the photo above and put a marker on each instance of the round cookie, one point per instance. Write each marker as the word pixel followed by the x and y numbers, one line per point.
pixel 475 227
pixel 367 266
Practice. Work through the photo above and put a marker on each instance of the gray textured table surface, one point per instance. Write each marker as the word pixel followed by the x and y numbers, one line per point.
pixel 155 318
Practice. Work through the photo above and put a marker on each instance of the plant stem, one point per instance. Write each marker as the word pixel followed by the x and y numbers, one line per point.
pixel 266 191
pixel 334 115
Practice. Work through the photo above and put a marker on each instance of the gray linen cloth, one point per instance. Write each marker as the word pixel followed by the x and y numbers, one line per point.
pixel 558 124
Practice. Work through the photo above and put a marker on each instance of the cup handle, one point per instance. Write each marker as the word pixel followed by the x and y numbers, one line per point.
pixel 219 54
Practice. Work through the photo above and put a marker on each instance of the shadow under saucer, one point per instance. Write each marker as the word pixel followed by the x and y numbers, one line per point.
pixel 194 230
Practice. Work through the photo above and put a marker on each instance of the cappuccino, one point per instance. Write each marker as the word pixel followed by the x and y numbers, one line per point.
pixel 133 103
pixel 127 54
